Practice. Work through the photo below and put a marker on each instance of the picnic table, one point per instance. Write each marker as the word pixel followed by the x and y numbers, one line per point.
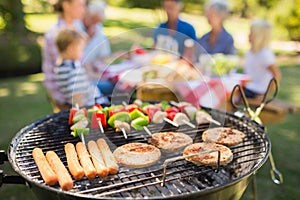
pixel 189 85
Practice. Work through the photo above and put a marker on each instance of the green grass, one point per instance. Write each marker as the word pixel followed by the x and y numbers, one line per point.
pixel 285 142
pixel 23 100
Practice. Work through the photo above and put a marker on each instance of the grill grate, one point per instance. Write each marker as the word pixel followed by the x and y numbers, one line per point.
pixel 52 133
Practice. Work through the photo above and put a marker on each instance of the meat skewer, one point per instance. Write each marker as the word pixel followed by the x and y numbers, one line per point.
pixel 171 122
pixel 158 117
pixel 204 117
pixel 100 126
pixel 122 126
pixel 119 121
pixel 180 105
pixel 139 120
pixel 147 130
pixel 193 112
pixel 80 135
pixel 181 118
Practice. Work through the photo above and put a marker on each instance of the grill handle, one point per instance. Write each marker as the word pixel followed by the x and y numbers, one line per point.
pixel 8 179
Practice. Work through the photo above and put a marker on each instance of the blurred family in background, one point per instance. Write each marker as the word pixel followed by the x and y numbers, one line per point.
pixel 79 28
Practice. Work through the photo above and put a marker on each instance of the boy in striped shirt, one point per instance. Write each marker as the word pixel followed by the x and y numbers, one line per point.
pixel 71 77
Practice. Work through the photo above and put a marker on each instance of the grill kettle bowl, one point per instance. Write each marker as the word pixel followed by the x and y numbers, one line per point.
pixel 230 182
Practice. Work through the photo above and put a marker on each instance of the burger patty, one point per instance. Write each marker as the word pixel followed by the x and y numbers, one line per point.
pixel 170 141
pixel 210 159
pixel 137 155
pixel 225 136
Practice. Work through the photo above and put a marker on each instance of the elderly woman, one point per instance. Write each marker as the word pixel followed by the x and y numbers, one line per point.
pixel 218 40
pixel 98 48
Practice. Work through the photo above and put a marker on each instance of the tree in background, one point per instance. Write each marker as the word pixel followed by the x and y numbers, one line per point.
pixel 248 8
pixel 20 53
pixel 189 5
pixel 12 15
pixel 292 22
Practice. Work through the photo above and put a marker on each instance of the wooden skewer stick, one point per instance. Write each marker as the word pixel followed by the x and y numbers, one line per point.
pixel 81 135
pixel 174 103
pixel 124 133
pixel 82 138
pixel 100 125
pixel 189 123
pixel 147 130
pixel 213 121
pixel 171 122
pixel 124 103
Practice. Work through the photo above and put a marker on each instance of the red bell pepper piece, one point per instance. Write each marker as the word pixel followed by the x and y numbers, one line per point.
pixel 98 116
pixel 150 111
pixel 97 106
pixel 172 109
pixel 85 111
pixel 71 115
pixel 132 107
pixel 171 115
pixel 101 116
pixel 114 111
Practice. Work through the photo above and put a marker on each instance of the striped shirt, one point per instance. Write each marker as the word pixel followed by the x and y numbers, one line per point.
pixel 72 79
pixel 50 56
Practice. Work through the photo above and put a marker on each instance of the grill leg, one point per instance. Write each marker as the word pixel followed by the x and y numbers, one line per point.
pixel 254 189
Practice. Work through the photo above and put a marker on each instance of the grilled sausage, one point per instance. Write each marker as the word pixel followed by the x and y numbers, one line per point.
pixel 64 178
pixel 46 171
pixel 108 157
pixel 85 161
pixel 97 159
pixel 73 163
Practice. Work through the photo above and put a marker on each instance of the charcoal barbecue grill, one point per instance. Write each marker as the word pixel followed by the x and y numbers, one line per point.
pixel 184 180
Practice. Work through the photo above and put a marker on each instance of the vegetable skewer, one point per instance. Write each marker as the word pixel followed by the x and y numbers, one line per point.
pixel 81 135
pixel 122 126
pixel 171 122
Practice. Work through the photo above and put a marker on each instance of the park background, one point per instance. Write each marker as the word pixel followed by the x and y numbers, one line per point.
pixel 23 98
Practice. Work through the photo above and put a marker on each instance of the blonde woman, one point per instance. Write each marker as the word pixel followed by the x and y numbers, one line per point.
pixel 260 60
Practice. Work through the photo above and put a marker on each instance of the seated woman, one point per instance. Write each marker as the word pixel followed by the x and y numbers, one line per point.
pixel 260 60
pixel 218 40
